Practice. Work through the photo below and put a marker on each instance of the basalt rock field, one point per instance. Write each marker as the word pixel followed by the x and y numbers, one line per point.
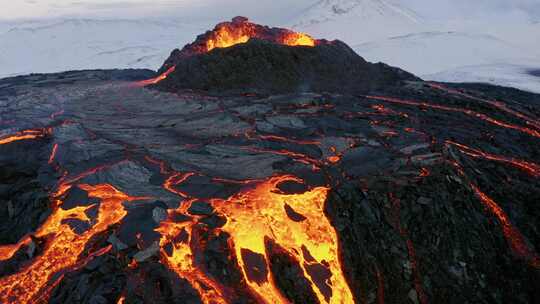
pixel 261 165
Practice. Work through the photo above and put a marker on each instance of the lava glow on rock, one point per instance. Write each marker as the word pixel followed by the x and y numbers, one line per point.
pixel 254 216
pixel 64 246
pixel 23 135
pixel 230 34
pixel 261 213
pixel 240 30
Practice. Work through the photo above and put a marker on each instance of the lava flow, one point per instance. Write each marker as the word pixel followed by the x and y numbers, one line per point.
pixel 529 167
pixel 497 104
pixel 468 112
pixel 64 246
pixel 294 221
pixel 514 238
pixel 23 135
pixel 181 259
pixel 156 79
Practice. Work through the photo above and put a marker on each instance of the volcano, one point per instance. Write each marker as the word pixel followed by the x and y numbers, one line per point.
pixel 243 57
pixel 321 178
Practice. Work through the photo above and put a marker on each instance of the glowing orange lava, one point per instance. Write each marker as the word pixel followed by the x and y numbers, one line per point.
pixel 334 159
pixel 182 260
pixel 513 236
pixel 229 34
pixel 298 39
pixel 157 79
pixel 23 135
pixel 261 212
pixel 64 246
pixel 177 179
pixel 299 157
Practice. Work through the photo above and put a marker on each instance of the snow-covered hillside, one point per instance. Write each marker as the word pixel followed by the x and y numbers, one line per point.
pixel 86 43
pixel 445 48
pixel 432 52
pixel 356 21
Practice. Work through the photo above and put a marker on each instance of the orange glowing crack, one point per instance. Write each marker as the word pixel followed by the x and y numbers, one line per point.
pixel 529 167
pixel 281 139
pixel 334 159
pixel 157 79
pixel 513 236
pixel 471 113
pixel 497 104
pixel 23 135
pixel 63 246
pixel 259 212
pixel 176 179
pixel 53 154
pixel 299 157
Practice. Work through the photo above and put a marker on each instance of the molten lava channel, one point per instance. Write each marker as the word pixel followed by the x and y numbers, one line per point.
pixel 63 246
pixel 255 215
pixel 261 212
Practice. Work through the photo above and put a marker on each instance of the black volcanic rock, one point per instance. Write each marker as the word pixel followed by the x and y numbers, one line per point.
pixel 409 225
pixel 263 67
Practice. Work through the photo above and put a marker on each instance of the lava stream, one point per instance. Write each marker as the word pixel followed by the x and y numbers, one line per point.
pixel 182 260
pixel 53 154
pixel 23 135
pixel 529 167
pixel 468 112
pixel 261 212
pixel 158 78
pixel 513 236
pixel 63 246
pixel 497 104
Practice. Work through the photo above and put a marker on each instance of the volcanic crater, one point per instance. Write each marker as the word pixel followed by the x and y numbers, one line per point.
pixel 271 61
pixel 260 165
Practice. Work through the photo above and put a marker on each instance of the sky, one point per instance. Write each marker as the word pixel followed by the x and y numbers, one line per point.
pixel 264 10
pixel 268 10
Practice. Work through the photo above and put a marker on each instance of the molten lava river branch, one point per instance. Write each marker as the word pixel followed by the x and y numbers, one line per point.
pixel 254 215
pixel 24 135
pixel 156 79
pixel 261 212
pixel 467 112
pixel 63 245
pixel 182 261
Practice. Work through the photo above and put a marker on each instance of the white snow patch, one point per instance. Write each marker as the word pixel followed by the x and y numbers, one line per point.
pixel 508 75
